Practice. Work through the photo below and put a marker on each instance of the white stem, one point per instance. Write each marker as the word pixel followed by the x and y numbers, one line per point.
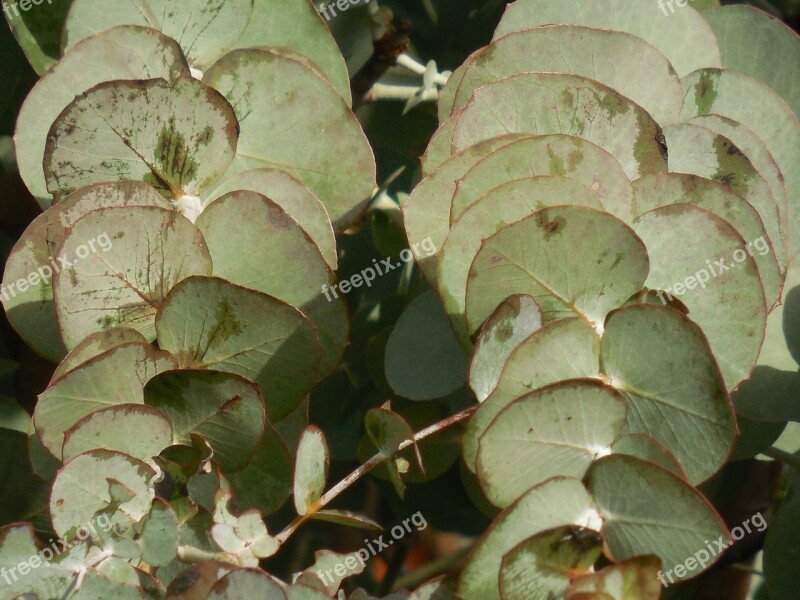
pixel 405 61
pixel 385 91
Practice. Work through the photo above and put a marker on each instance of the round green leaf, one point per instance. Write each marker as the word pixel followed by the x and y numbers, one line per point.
pixel 661 362
pixel 556 503
pixel 759 45
pixel 511 323
pixel 503 205
pixel 138 431
pixel 655 191
pixel 30 308
pixel 553 155
pixel 145 134
pixel 646 448
pixel 555 431
pixel 246 583
pixel 757 107
pixel 541 568
pixel 598 54
pixel 424 360
pixel 226 409
pixel 534 102
pixel 266 482
pixel 294 197
pixel 729 306
pixel 205 29
pixel 95 345
pixel 279 101
pixel 208 323
pixel 311 469
pixel 127 52
pixel 142 253
pixel 83 489
pixel 159 538
pixel 297 25
pixel 116 377
pixel 281 260
pixel 684 37
pixel 647 510
pixel 426 212
pixel 563 349
pixel 696 150
pixel 573 261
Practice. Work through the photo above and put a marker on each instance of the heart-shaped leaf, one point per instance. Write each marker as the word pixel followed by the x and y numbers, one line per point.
pixel 601 263
pixel 208 323
pixel 555 431
pixel 141 254
pixel 597 54
pixel 534 102
pixel 284 101
pixel 139 130
pixel 126 52
pixel 226 409
pixel 116 377
pixel 685 38
pixel 272 238
pixel 511 323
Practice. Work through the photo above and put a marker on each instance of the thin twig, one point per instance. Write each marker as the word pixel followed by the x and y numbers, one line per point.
pixel 365 468
pixel 786 458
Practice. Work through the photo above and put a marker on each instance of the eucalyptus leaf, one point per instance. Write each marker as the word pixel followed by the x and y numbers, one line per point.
pixel 145 134
pixel 83 489
pixel 311 470
pixel 714 275
pixel 598 54
pixel 123 282
pixel 205 29
pixel 662 515
pixel 684 36
pixel 507 204
pixel 634 579
pixel 426 213
pixel 548 155
pixel 423 358
pixel 294 197
pixel 534 102
pixel 226 409
pixel 138 431
pixel 272 238
pixel 208 323
pixel 284 100
pixel 246 583
pixel 542 566
pixel 159 538
pixel 601 263
pixel 116 377
pixel 95 345
pixel 126 52
pixel 514 320
pixel 30 307
pixel 556 503
pixel 677 395
pixel 560 350
pixel 648 449
pixel 555 431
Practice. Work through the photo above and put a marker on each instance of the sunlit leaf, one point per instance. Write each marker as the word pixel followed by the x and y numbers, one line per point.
pixel 311 469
